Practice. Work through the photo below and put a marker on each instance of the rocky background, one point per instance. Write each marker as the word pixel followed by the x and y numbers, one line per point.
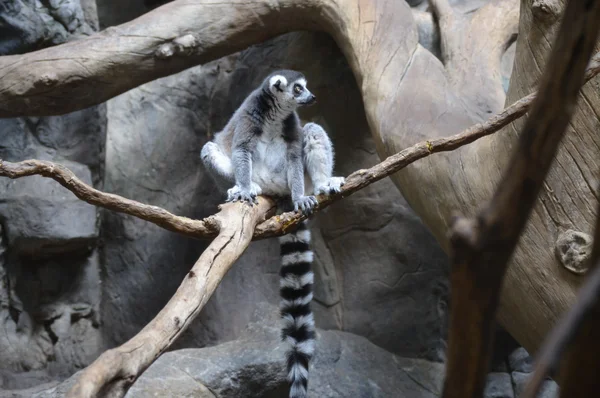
pixel 75 280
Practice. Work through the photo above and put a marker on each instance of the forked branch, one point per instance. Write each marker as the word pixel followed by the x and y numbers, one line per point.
pixel 482 246
pixel 207 229
pixel 115 370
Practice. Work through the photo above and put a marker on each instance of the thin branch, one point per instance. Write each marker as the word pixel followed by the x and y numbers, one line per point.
pixel 278 225
pixel 115 370
pixel 200 229
pixel 483 246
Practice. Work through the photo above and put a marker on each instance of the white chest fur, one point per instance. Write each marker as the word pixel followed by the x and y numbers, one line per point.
pixel 269 163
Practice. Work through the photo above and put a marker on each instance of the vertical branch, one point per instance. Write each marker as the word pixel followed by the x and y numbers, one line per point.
pixel 579 374
pixel 578 377
pixel 482 246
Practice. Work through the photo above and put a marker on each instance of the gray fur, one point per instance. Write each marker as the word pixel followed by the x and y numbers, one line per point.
pixel 263 149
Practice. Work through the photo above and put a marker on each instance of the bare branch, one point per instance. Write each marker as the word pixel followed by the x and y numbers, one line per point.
pixel 206 228
pixel 278 225
pixel 483 246
pixel 115 370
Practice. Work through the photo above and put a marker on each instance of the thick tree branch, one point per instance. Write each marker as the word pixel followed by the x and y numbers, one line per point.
pixel 482 246
pixel 167 40
pixel 115 370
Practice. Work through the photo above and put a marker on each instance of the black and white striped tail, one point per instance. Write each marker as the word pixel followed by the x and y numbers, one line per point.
pixel 296 295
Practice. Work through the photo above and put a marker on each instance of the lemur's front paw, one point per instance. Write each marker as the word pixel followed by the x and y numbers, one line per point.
pixel 238 194
pixel 334 185
pixel 306 204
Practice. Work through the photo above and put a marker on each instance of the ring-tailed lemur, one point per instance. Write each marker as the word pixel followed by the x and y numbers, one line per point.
pixel 263 149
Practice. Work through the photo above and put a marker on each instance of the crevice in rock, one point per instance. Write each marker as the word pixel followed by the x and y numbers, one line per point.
pixel 51 334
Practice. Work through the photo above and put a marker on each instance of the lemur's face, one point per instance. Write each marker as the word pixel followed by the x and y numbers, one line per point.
pixel 293 93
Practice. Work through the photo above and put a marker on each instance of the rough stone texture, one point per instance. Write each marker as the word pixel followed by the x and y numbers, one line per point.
pixel 42 217
pixel 376 266
pixel 549 388
pixel 253 366
pixel 49 264
pixel 28 25
pixel 498 385
pixel 511 368
pixel 520 361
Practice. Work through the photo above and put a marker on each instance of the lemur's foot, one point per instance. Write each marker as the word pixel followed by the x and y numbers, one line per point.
pixel 334 185
pixel 238 194
pixel 255 188
pixel 306 204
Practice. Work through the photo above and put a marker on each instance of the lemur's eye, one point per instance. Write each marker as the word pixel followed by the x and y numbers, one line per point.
pixel 297 89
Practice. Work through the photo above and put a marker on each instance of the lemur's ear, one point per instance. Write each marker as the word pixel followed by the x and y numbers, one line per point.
pixel 276 82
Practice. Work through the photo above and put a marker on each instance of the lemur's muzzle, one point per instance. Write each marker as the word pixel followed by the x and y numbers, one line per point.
pixel 311 100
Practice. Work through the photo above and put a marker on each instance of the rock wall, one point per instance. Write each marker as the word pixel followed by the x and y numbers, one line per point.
pixel 49 259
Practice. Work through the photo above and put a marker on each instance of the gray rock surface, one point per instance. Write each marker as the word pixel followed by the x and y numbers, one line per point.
pixel 511 368
pixel 498 385
pixel 253 366
pixel 49 262
pixel 549 388
pixel 41 217
pixel 28 25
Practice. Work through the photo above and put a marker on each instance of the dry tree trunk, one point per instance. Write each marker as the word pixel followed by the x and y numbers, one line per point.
pixel 538 286
pixel 482 245
pixel 408 94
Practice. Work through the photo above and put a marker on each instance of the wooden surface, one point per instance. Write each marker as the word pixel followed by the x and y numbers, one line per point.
pixel 483 244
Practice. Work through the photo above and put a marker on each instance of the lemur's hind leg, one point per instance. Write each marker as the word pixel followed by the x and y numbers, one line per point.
pixel 220 168
pixel 318 160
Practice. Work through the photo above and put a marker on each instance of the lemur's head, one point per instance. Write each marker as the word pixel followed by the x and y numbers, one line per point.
pixel 289 87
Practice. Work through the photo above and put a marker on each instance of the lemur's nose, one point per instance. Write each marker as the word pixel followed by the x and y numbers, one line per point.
pixel 312 99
